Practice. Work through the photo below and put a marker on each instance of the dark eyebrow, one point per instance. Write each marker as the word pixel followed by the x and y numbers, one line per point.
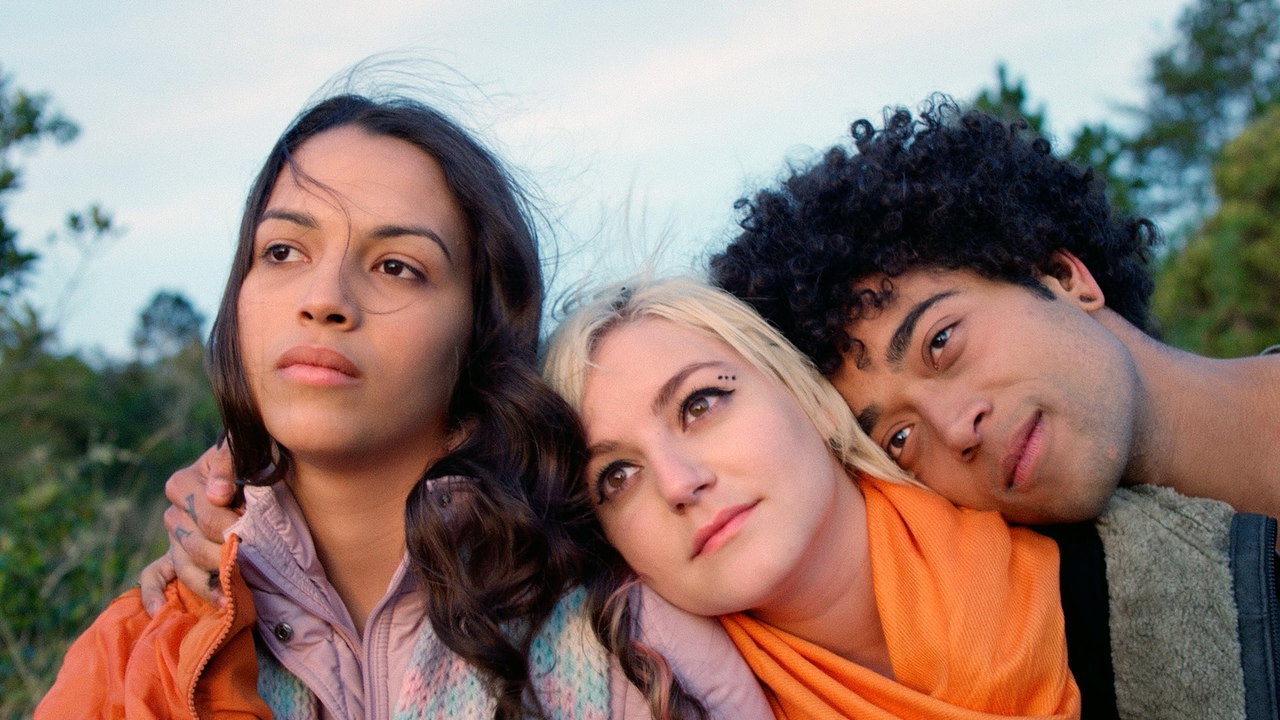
pixel 382 232
pixel 296 218
pixel 902 336
pixel 868 418
pixel 668 389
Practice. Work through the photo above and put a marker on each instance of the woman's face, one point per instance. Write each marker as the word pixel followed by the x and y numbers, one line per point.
pixel 357 308
pixel 711 481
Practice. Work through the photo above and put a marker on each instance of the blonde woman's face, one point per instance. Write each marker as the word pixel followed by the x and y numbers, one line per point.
pixel 709 478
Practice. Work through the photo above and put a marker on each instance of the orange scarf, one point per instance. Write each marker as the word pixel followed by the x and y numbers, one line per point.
pixel 971 616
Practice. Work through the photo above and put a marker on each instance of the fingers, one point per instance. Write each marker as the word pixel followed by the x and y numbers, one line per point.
pixel 194 559
pixel 189 479
pixel 189 490
pixel 222 490
pixel 152 581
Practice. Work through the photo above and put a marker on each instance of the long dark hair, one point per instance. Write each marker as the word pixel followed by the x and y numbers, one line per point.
pixel 495 552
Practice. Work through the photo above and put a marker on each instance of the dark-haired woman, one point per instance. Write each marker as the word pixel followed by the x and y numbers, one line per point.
pixel 373 362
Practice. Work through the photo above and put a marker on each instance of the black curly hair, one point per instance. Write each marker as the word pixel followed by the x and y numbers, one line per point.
pixel 950 190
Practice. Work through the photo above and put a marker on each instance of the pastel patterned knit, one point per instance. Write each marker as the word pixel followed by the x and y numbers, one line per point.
pixel 568 667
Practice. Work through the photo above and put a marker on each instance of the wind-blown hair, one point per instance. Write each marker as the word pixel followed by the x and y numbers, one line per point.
pixel 692 304
pixel 951 190
pixel 494 562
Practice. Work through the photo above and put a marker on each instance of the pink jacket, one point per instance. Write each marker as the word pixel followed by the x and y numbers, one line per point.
pixel 307 629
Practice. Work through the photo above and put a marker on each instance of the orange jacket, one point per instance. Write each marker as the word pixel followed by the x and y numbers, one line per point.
pixel 189 661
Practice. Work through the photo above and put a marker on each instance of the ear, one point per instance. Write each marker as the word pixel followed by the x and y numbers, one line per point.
pixel 1070 280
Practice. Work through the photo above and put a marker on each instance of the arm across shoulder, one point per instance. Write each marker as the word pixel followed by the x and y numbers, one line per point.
pixel 703 657
pixel 189 656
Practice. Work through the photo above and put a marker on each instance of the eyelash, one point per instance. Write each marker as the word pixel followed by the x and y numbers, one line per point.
pixel 888 445
pixel 266 253
pixel 603 493
pixel 417 274
pixel 945 333
pixel 708 394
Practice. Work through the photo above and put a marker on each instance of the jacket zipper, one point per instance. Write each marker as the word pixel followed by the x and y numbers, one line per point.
pixel 225 580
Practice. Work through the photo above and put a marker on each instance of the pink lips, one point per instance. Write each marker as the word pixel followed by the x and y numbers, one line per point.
pixel 1024 448
pixel 722 528
pixel 316 365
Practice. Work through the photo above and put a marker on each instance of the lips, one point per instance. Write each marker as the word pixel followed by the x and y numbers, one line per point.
pixel 1023 449
pixel 313 363
pixel 721 529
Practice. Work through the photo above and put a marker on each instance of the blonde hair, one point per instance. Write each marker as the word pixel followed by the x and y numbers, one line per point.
pixel 693 304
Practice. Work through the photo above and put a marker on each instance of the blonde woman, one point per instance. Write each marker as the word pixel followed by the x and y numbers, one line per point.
pixel 733 480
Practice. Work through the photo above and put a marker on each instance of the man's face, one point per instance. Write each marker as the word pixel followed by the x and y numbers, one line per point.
pixel 995 397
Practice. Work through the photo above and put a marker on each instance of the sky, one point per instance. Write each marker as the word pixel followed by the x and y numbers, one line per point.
pixel 636 124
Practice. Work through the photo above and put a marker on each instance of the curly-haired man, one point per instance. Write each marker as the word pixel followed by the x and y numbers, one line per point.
pixel 984 312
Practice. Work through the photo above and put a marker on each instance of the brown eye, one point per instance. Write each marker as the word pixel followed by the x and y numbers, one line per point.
pixel 897 441
pixel 398 268
pixel 278 253
pixel 939 342
pixel 612 480
pixel 700 402
pixel 615 479
pixel 698 406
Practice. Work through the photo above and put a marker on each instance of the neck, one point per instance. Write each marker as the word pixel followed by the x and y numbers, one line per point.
pixel 830 601
pixel 1207 427
pixel 355 515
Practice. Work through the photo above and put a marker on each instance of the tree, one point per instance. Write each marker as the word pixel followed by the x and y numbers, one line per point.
pixel 1217 279
pixel 25 120
pixel 1097 145
pixel 168 324
pixel 1220 293
pixel 85 445
pixel 1008 101
pixel 1221 73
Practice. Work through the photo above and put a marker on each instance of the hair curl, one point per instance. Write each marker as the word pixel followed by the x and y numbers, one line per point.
pixel 950 190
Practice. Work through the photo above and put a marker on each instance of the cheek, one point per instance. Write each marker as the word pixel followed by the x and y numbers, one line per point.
pixel 434 354
pixel 640 539
pixel 253 333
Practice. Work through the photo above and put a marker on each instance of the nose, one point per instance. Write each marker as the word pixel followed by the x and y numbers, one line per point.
pixel 681 478
pixel 958 419
pixel 327 299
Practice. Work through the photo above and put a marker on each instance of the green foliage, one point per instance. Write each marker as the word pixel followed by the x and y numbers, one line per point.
pixel 25 120
pixel 1008 101
pixel 85 446
pixel 84 452
pixel 169 324
pixel 1219 294
pixel 1098 145
pixel 1221 73
pixel 1218 289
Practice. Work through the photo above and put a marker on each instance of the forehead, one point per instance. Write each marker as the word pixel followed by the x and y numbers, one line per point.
pixel 368 178
pixel 632 362
pixel 897 296
pixel 651 346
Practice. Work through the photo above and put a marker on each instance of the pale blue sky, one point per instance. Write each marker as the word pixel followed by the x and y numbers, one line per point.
pixel 634 119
